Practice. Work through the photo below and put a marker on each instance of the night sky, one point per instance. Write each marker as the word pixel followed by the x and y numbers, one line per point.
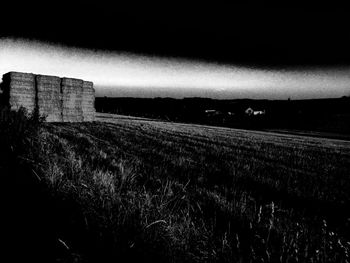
pixel 304 48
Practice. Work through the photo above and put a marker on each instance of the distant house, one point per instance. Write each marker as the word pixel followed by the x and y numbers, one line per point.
pixel 259 112
pixel 251 112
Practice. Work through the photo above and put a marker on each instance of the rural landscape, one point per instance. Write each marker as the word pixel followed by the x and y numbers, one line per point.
pixel 136 189
pixel 174 133
pixel 316 117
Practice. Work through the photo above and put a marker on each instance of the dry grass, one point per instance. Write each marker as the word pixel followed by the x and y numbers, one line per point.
pixel 182 192
pixel 167 192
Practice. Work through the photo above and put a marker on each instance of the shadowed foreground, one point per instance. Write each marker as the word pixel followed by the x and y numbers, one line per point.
pixel 143 190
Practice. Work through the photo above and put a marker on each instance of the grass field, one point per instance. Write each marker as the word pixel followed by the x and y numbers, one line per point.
pixel 148 190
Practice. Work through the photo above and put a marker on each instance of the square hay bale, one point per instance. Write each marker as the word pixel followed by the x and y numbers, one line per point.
pixel 49 97
pixel 88 101
pixel 20 76
pixel 72 82
pixel 72 94
pixel 19 90
pixel 71 116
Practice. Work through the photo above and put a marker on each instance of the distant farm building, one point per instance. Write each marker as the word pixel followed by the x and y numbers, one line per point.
pixel 59 99
pixel 251 112
pixel 259 112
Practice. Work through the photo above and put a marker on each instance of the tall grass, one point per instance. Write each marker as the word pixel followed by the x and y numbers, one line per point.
pixel 24 201
pixel 146 196
pixel 138 191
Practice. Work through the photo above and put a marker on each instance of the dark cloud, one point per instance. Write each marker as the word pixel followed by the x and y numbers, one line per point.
pixel 238 34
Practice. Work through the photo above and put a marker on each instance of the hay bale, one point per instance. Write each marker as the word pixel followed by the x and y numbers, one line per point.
pixel 49 97
pixel 20 90
pixel 88 101
pixel 72 82
pixel 72 99
pixel 65 99
pixel 20 76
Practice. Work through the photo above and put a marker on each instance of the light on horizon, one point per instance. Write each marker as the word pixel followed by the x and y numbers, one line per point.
pixel 120 73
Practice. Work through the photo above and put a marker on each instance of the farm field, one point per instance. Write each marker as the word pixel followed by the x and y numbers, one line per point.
pixel 148 190
pixel 311 133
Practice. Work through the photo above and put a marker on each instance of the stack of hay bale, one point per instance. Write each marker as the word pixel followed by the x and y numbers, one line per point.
pixel 49 97
pixel 66 99
pixel 72 96
pixel 19 88
pixel 88 102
